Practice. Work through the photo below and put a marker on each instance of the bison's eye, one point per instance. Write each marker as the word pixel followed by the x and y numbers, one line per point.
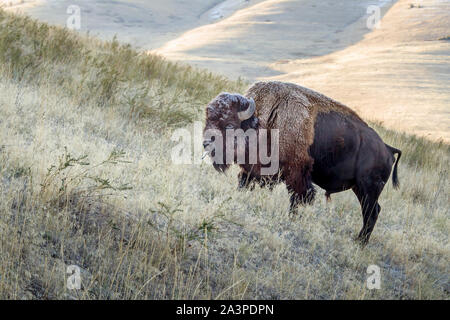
pixel 229 126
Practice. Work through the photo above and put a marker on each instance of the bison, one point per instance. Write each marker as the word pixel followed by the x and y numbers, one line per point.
pixel 321 141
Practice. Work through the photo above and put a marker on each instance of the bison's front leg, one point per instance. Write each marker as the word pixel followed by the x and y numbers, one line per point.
pixel 299 184
pixel 244 180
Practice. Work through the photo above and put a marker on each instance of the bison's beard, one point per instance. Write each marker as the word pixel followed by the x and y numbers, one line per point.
pixel 222 166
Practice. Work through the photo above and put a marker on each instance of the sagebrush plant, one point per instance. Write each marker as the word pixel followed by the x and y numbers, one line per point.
pixel 79 184
pixel 87 180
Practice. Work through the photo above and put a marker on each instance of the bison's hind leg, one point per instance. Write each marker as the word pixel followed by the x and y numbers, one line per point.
pixel 368 194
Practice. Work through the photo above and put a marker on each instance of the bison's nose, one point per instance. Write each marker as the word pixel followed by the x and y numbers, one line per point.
pixel 206 143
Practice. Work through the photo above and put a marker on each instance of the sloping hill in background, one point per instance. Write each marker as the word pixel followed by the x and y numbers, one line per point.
pixel 399 74
pixel 142 23
pixel 247 42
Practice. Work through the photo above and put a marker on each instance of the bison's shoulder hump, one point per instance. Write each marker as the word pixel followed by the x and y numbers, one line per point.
pixel 270 94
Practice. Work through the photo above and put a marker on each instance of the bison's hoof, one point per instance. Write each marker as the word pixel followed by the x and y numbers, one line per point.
pixel 361 240
pixel 294 213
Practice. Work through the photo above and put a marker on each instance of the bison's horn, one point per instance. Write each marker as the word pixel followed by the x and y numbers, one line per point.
pixel 247 113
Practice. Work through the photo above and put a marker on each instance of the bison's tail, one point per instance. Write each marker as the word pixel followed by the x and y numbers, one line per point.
pixel 395 181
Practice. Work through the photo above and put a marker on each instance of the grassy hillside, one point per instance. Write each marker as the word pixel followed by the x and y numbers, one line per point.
pixel 87 180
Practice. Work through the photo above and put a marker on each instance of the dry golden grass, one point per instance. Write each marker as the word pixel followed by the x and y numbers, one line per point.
pixel 82 122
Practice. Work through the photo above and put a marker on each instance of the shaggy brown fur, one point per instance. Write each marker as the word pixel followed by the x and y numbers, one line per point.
pixel 298 107
pixel 320 141
pixel 279 105
pixel 293 109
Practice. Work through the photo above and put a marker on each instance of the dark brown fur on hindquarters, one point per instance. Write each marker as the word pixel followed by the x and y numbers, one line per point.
pixel 321 141
pixel 348 154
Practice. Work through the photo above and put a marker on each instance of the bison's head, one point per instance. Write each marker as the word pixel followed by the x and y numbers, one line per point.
pixel 227 112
